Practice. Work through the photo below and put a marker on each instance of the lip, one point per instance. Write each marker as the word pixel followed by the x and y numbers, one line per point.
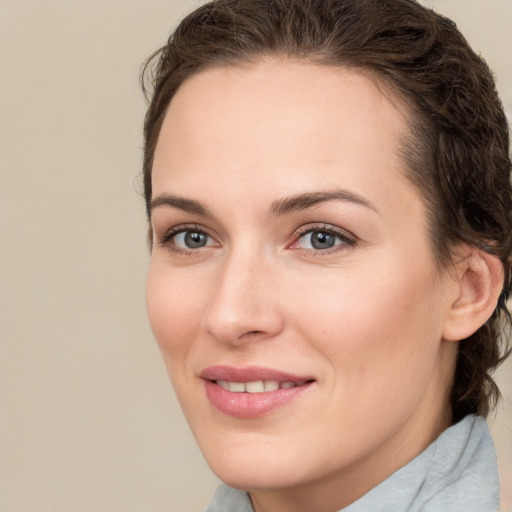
pixel 249 373
pixel 251 405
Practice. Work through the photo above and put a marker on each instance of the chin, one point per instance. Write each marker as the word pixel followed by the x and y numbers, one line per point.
pixel 261 464
pixel 255 478
pixel 248 470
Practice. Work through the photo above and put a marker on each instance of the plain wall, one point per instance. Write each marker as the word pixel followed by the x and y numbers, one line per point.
pixel 88 421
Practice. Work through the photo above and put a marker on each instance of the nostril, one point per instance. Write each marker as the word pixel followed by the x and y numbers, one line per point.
pixel 253 336
pixel 250 334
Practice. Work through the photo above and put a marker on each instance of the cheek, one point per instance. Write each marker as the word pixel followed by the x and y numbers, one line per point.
pixel 376 325
pixel 173 314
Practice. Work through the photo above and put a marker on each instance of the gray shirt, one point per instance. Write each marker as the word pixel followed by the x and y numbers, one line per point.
pixel 456 473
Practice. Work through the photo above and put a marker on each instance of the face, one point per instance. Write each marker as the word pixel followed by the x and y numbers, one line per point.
pixel 291 288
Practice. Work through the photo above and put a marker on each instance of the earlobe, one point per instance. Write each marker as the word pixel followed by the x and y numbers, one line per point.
pixel 479 283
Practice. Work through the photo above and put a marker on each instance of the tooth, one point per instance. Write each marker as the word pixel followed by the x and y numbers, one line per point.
pixel 287 384
pixel 223 384
pixel 271 385
pixel 256 386
pixel 237 387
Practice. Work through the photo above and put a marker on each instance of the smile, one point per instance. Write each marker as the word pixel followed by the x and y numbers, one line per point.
pixel 257 386
pixel 252 392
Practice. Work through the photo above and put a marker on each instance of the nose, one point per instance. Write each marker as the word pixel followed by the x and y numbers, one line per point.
pixel 244 306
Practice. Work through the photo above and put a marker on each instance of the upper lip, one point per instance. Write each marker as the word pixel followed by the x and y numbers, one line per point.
pixel 250 374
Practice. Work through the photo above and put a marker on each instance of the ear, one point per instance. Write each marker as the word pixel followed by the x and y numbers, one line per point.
pixel 479 281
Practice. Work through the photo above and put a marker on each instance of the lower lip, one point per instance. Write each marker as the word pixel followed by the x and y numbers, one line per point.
pixel 251 405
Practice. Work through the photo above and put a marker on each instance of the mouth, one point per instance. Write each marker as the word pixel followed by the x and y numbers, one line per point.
pixel 259 386
pixel 252 392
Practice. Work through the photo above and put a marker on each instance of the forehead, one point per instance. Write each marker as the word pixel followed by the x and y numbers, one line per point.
pixel 284 122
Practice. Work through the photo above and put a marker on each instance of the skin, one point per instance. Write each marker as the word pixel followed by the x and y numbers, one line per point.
pixel 365 318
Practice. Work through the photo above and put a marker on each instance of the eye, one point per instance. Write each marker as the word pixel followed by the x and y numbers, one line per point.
pixel 322 239
pixel 184 239
pixel 192 239
pixel 319 240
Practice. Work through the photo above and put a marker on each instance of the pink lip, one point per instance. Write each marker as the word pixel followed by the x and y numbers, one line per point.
pixel 249 373
pixel 250 405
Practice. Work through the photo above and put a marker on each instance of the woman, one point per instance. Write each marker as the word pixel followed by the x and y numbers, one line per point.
pixel 328 189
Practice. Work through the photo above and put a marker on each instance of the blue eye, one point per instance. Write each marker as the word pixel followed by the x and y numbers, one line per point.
pixel 192 239
pixel 322 239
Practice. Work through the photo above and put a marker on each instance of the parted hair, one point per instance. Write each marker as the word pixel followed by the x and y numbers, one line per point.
pixel 457 149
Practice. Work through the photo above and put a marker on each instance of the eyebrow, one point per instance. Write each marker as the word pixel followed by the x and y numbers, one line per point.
pixel 278 208
pixel 181 203
pixel 304 201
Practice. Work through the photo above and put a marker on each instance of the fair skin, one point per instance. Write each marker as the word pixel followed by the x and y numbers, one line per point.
pixel 339 288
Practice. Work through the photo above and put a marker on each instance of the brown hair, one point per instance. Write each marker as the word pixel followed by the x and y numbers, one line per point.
pixel 457 152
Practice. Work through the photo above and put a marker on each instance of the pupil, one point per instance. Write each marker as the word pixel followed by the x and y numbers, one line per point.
pixel 322 240
pixel 193 239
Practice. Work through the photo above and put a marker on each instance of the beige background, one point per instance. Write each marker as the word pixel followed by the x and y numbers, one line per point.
pixel 88 422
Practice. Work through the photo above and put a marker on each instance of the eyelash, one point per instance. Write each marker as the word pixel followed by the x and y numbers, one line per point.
pixel 347 240
pixel 167 238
